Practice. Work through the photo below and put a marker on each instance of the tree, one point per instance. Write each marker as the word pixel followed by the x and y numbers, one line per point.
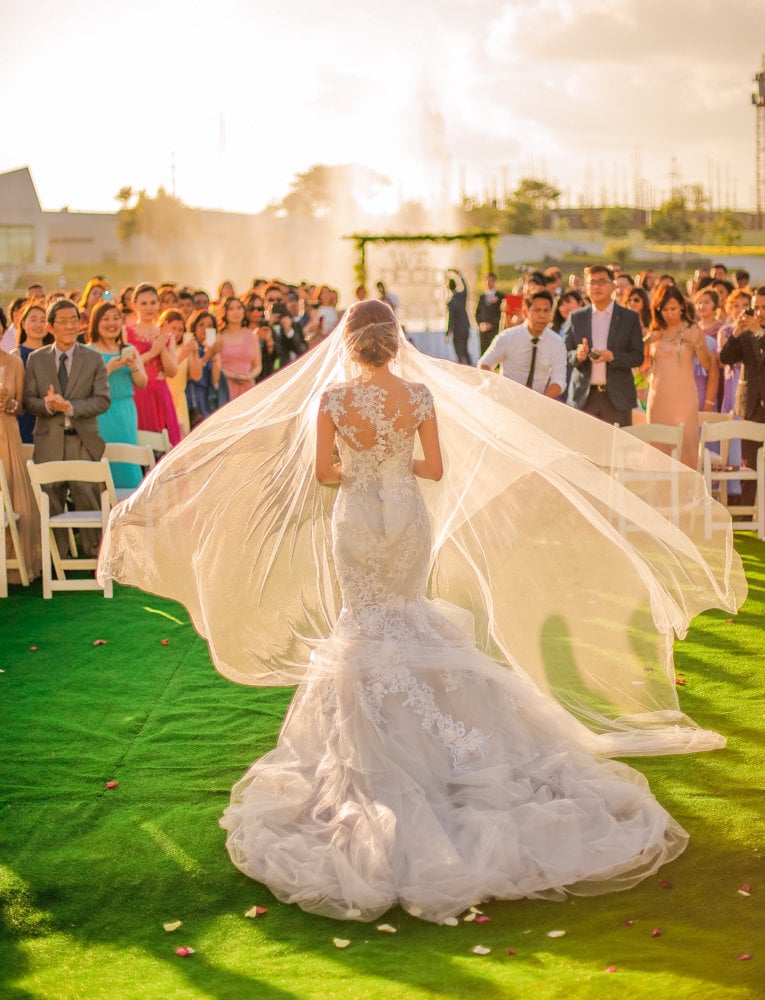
pixel 616 221
pixel 727 228
pixel 671 222
pixel 522 218
pixel 539 194
pixel 164 217
pixel 323 189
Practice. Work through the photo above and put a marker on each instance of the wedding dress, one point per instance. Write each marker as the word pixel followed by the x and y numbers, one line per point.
pixel 412 769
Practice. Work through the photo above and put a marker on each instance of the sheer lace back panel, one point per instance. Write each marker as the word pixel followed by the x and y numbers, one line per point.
pixel 380 526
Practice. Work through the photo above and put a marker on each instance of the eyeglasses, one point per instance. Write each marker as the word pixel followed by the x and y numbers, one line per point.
pixel 594 282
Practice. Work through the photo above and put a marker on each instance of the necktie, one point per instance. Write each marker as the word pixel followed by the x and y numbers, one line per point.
pixel 63 374
pixel 530 379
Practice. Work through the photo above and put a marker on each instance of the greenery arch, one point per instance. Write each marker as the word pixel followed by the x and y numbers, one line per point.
pixel 362 239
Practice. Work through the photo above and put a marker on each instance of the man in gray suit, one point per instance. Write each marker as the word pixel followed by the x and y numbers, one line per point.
pixel 66 387
pixel 604 342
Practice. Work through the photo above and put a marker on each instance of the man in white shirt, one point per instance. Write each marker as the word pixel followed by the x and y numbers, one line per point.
pixel 531 353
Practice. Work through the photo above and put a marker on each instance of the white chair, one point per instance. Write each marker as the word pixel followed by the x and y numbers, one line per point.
pixel 716 479
pixel 134 454
pixel 9 520
pixel 670 434
pixel 42 474
pixel 158 441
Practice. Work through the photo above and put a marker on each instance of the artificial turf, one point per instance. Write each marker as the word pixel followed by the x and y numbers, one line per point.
pixel 88 875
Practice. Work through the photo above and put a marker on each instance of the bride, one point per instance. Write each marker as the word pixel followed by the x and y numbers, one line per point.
pixel 413 768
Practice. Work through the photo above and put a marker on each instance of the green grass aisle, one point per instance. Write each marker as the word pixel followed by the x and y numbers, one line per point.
pixel 88 875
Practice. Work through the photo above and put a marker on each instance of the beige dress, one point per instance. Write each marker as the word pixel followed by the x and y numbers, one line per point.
pixel 22 497
pixel 672 395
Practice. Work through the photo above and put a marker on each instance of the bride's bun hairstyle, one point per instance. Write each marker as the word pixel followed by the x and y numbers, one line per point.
pixel 371 333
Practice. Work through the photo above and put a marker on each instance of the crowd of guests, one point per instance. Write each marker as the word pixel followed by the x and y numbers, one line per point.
pixel 170 356
pixel 609 343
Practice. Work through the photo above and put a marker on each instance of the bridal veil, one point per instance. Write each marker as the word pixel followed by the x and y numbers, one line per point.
pixel 580 552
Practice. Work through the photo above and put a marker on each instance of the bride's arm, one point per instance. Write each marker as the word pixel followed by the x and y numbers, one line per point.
pixel 430 466
pixel 325 471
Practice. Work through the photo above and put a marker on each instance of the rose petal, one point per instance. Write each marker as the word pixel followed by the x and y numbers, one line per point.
pixel 657 932
pixel 680 681
pixel 173 926
pixel 33 649
pixel 451 922
pixel 610 968
pixel 99 642
pixel 340 942
pixel 164 642
pixel 481 950
pixel 744 956
pixel 386 929
pixel 184 952
pixel 112 784
pixel 556 934
pixel 629 923
pixel 482 919
pixel 665 883
pixel 510 951
pixel 256 911
pixel 745 887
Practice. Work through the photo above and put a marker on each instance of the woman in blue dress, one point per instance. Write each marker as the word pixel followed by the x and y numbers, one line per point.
pixel 125 370
pixel 32 334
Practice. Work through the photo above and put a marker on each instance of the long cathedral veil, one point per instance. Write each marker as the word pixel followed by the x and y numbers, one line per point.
pixel 580 552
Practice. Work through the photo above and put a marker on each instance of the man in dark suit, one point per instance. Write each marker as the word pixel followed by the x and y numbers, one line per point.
pixel 488 312
pixel 66 387
pixel 604 342
pixel 747 344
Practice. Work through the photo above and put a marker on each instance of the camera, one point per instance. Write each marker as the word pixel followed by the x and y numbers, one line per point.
pixel 749 312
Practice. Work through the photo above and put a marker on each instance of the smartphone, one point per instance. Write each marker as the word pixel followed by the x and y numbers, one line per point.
pixel 187 338
pixel 107 296
pixel 210 336
pixel 128 349
pixel 749 312
pixel 594 355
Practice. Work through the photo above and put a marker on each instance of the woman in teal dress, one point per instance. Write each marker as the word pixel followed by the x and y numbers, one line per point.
pixel 125 370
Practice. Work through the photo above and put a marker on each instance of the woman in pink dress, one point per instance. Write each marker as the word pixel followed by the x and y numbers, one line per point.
pixel 240 357
pixel 156 345
pixel 675 341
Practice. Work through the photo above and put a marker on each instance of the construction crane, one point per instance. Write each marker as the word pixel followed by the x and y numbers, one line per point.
pixel 758 100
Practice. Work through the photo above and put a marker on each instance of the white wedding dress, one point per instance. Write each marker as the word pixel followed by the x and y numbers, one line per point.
pixel 413 769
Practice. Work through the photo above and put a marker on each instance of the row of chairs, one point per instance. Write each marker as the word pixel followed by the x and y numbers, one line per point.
pixel 719 430
pixel 44 473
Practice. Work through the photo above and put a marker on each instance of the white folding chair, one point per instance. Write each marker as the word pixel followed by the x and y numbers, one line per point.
pixel 9 520
pixel 716 479
pixel 158 441
pixel 134 454
pixel 670 434
pixel 44 473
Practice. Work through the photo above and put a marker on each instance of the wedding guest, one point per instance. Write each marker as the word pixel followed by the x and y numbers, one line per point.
pixel 566 304
pixel 14 466
pixel 708 319
pixel 239 348
pixel 66 387
pixel 458 323
pixel 168 297
pixel 189 367
pixel 156 411
pixel 33 334
pixel 125 370
pixel 125 304
pixel 10 336
pixel 207 391
pixel 531 353
pixel 675 341
pixel 488 311
pixel 747 346
pixel 93 293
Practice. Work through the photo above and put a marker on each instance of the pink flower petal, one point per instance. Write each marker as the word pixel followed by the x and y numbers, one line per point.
pixel 745 887
pixel 164 642
pixel 657 932
pixel 744 956
pixel 33 649
pixel 482 919
pixel 184 952
pixel 112 784
pixel 665 883
pixel 629 923
pixel 610 968
pixel 99 642
pixel 730 621
pixel 510 951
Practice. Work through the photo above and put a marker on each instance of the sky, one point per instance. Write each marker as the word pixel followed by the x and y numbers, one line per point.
pixel 224 102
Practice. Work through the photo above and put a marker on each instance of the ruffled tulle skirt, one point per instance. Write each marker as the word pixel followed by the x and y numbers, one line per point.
pixel 416 771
